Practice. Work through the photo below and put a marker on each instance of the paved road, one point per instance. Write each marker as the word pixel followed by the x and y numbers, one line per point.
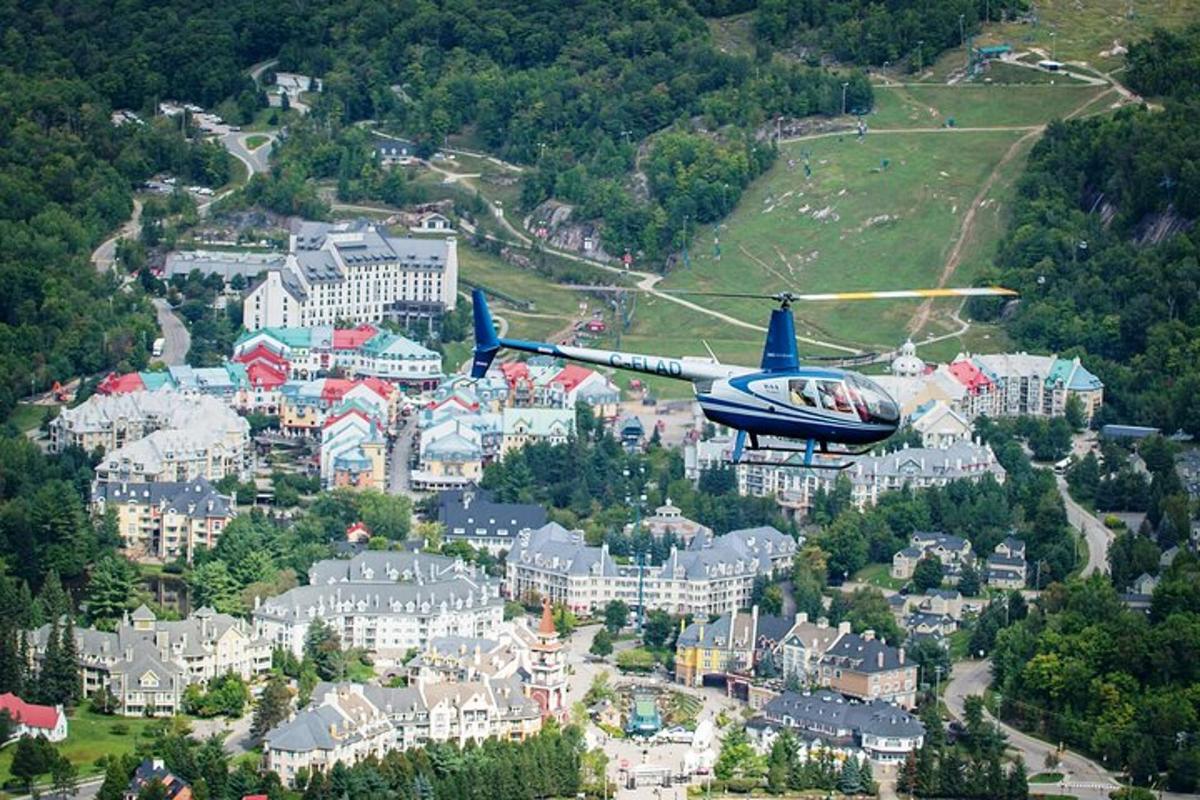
pixel 1083 778
pixel 177 340
pixel 401 453
pixel 1097 536
pixel 104 256
pixel 256 160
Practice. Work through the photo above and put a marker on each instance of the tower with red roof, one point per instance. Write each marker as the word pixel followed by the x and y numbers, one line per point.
pixel 547 669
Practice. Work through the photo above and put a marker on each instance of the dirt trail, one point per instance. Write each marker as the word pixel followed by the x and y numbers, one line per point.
pixel 921 317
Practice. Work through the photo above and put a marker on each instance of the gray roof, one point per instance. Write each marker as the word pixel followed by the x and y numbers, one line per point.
pixel 554 548
pixel 1004 562
pixel 855 653
pixel 933 539
pixel 195 636
pixel 227 264
pixel 195 498
pixel 831 716
pixel 926 619
pixel 386 566
pixel 360 243
pixel 307 731
pixel 945 594
pixel 473 509
pixel 309 602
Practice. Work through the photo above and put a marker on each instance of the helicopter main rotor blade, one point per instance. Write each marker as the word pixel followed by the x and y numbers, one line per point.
pixel 901 294
pixel 889 294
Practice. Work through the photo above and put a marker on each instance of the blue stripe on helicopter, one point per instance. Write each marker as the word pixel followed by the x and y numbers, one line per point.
pixel 777 411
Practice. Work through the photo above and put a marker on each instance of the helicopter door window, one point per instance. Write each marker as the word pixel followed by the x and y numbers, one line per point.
pixel 802 392
pixel 833 396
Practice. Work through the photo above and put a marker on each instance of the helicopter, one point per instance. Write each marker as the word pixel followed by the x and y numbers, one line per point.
pixel 779 405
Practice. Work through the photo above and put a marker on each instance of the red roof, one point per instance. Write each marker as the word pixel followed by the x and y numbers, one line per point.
pixel 571 376
pixel 514 371
pixel 121 384
pixel 27 713
pixel 260 352
pixel 436 404
pixel 335 389
pixel 353 338
pixel 379 386
pixel 265 376
pixel 970 376
pixel 255 797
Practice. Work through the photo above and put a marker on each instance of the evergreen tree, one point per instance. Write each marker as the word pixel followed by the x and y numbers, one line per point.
pixel 116 780
pixel 925 783
pixel 66 678
pixel 32 756
pixel 272 708
pixel 779 763
pixel 110 590
pixel 63 777
pixel 968 581
pixel 1018 781
pixel 951 781
pixel 867 779
pixel 850 781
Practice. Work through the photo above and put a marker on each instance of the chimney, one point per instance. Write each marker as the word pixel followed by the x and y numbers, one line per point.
pixel 879 658
pixel 843 628
pixel 901 651
pixel 868 634
pixel 801 617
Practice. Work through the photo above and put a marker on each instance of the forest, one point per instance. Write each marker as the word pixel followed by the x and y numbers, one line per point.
pixel 983 512
pixel 865 32
pixel 1083 669
pixel 1103 250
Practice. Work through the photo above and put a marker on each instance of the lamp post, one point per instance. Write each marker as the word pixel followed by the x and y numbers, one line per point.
pixel 844 85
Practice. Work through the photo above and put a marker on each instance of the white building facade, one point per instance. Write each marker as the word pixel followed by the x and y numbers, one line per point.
pixel 358 272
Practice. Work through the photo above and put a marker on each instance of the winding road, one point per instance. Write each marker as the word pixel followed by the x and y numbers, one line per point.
pixel 1083 777
pixel 1098 536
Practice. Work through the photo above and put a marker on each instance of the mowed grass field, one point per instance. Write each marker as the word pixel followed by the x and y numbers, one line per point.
pixel 977 105
pixel 1075 31
pixel 89 736
pixel 853 225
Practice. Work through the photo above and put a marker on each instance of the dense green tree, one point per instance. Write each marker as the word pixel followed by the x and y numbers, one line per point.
pixel 616 615
pixel 110 591
pixel 323 647
pixel 272 707
pixel 602 644
pixel 927 574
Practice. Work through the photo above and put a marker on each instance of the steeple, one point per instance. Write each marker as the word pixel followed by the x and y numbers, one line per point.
pixel 546 625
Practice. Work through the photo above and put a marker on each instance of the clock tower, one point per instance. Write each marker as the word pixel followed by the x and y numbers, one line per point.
pixel 547 667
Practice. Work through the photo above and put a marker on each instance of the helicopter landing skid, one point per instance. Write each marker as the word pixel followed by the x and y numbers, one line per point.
pixel 809 449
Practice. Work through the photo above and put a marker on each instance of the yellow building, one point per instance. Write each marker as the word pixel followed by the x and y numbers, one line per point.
pixel 164 521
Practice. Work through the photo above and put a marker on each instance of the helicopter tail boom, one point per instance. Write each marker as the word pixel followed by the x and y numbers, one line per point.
pixel 487 345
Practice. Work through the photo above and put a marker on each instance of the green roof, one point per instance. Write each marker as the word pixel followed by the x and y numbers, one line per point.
pixel 292 337
pixel 153 381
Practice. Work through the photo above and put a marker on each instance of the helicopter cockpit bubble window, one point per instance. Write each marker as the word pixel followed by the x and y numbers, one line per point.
pixel 802 392
pixel 876 405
